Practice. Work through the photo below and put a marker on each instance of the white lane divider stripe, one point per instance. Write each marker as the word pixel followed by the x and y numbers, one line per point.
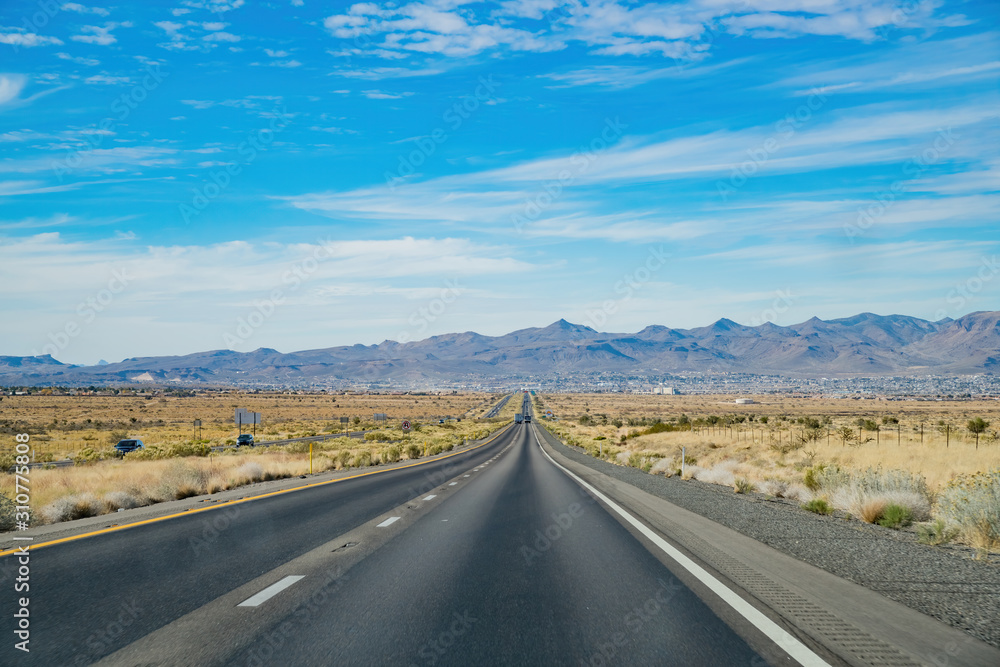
pixel 430 497
pixel 788 643
pixel 453 484
pixel 388 522
pixel 270 591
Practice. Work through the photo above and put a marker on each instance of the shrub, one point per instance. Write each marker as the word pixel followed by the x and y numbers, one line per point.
pixel 392 454
pixel 344 459
pixel 774 487
pixel 895 516
pixel 743 485
pixel 69 508
pixel 120 500
pixel 973 503
pixel 936 533
pixel 378 436
pixel 818 505
pixel 871 510
pixel 413 451
pixel 248 473
pixel 7 511
pixel 362 460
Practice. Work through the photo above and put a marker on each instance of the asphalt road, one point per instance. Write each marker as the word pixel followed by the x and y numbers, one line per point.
pixel 93 596
pixel 493 557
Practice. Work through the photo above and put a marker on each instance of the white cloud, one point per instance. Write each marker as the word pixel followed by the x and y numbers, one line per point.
pixel 107 79
pixel 80 9
pixel 90 62
pixel 100 35
pixel 382 95
pixel 26 39
pixel 11 86
pixel 276 54
pixel 221 37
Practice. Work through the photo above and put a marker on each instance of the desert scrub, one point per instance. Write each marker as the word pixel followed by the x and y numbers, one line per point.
pixel 895 517
pixel 743 485
pixel 413 451
pixel 936 532
pixel 76 506
pixel 867 494
pixel 7 510
pixel 973 503
pixel 818 505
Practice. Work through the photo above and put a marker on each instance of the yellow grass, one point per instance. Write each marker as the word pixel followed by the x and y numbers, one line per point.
pixel 104 485
pixel 750 445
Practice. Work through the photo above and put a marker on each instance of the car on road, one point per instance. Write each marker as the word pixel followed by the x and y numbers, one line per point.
pixel 245 439
pixel 129 445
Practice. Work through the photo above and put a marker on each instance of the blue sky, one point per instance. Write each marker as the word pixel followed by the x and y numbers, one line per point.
pixel 194 175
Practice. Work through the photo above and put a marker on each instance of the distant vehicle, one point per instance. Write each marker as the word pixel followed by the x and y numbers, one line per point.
pixel 527 419
pixel 245 439
pixel 129 445
pixel 518 418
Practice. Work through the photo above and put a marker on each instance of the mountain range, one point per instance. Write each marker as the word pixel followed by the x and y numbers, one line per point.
pixel 862 345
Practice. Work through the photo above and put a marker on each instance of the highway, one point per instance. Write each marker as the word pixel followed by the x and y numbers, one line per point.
pixel 496 555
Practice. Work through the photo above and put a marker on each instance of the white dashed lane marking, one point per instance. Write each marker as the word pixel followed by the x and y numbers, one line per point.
pixel 430 497
pixel 388 522
pixel 270 591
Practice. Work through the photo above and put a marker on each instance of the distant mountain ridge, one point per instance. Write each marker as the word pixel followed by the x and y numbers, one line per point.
pixel 865 344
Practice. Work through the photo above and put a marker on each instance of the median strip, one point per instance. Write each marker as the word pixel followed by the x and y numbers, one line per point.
pixel 270 591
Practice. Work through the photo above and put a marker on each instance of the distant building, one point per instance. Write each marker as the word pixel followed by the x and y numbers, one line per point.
pixel 667 391
pixel 744 401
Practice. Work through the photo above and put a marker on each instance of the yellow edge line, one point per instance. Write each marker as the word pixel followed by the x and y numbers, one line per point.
pixel 144 522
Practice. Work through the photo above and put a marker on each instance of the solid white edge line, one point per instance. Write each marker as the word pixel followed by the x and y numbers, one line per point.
pixel 270 591
pixel 388 522
pixel 788 643
pixel 430 497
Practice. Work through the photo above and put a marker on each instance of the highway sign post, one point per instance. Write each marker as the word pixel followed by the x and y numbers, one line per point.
pixel 347 422
pixel 406 424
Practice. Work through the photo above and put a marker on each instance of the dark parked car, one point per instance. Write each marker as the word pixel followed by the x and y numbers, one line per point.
pixel 245 439
pixel 130 445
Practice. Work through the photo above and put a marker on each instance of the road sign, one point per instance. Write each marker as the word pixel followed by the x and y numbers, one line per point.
pixel 345 420
pixel 406 424
pixel 380 416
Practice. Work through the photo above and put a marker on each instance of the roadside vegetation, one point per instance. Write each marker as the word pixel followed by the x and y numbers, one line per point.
pixel 932 467
pixel 103 481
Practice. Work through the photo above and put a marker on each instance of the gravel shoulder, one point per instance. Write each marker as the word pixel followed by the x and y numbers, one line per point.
pixel 943 582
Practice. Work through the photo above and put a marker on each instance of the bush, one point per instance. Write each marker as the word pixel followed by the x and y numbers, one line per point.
pixel 413 451
pixel 936 533
pixel 895 516
pixel 120 500
pixel 378 436
pixel 344 459
pixel 392 455
pixel 362 460
pixel 743 485
pixel 7 511
pixel 973 503
pixel 69 508
pixel 819 506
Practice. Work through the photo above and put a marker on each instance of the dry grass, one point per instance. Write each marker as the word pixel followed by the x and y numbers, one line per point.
pixel 157 475
pixel 63 426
